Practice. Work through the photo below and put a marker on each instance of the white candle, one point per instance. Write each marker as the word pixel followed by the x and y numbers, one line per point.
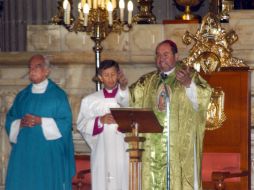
pixel 130 9
pixel 95 4
pixel 90 3
pixel 67 11
pixel 121 6
pixel 79 11
pixel 68 14
pixel 106 2
pixel 114 4
pixel 110 10
pixel 83 2
pixel 103 4
pixel 86 9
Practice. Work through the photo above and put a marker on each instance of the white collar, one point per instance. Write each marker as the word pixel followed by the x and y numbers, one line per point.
pixel 169 72
pixel 111 90
pixel 40 87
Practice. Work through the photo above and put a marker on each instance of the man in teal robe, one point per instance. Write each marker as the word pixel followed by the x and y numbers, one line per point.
pixel 39 126
pixel 183 120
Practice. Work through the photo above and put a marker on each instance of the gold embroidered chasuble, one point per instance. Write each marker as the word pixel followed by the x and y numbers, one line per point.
pixel 187 127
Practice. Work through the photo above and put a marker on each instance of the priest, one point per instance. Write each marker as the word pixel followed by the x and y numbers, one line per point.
pixel 39 126
pixel 179 98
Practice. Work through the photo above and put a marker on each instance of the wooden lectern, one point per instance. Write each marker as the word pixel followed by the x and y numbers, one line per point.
pixel 135 121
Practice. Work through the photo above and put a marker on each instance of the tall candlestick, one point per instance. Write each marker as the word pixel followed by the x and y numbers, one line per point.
pixel 130 9
pixel 121 6
pixel 110 10
pixel 86 11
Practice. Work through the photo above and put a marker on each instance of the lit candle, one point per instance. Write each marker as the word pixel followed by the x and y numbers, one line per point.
pixel 114 4
pixel 121 6
pixel 106 2
pixel 110 10
pixel 67 12
pixel 130 9
pixel 86 9
pixel 102 4
pixel 83 2
pixel 80 11
pixel 95 4
pixel 90 3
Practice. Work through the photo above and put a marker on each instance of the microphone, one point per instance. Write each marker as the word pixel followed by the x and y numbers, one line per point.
pixel 163 76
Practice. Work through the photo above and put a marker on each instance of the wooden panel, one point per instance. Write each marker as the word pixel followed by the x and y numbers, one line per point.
pixel 234 135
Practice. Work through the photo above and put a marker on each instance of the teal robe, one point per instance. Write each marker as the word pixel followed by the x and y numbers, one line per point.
pixel 36 163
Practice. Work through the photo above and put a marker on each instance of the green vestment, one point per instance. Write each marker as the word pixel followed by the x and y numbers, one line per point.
pixel 187 127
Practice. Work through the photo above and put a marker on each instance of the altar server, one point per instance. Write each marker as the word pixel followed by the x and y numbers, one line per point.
pixel 109 159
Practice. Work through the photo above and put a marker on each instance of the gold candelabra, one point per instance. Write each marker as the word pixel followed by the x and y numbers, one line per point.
pixel 97 18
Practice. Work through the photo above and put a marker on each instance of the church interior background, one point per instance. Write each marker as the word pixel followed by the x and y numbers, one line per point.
pixel 25 30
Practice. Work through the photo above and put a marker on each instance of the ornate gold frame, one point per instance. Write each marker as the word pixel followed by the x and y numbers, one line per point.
pixel 212 49
pixel 211 52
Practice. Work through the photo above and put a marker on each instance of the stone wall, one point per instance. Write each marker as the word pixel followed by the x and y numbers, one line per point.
pixel 73 61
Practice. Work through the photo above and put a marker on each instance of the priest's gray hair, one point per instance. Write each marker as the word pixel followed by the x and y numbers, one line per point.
pixel 43 58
